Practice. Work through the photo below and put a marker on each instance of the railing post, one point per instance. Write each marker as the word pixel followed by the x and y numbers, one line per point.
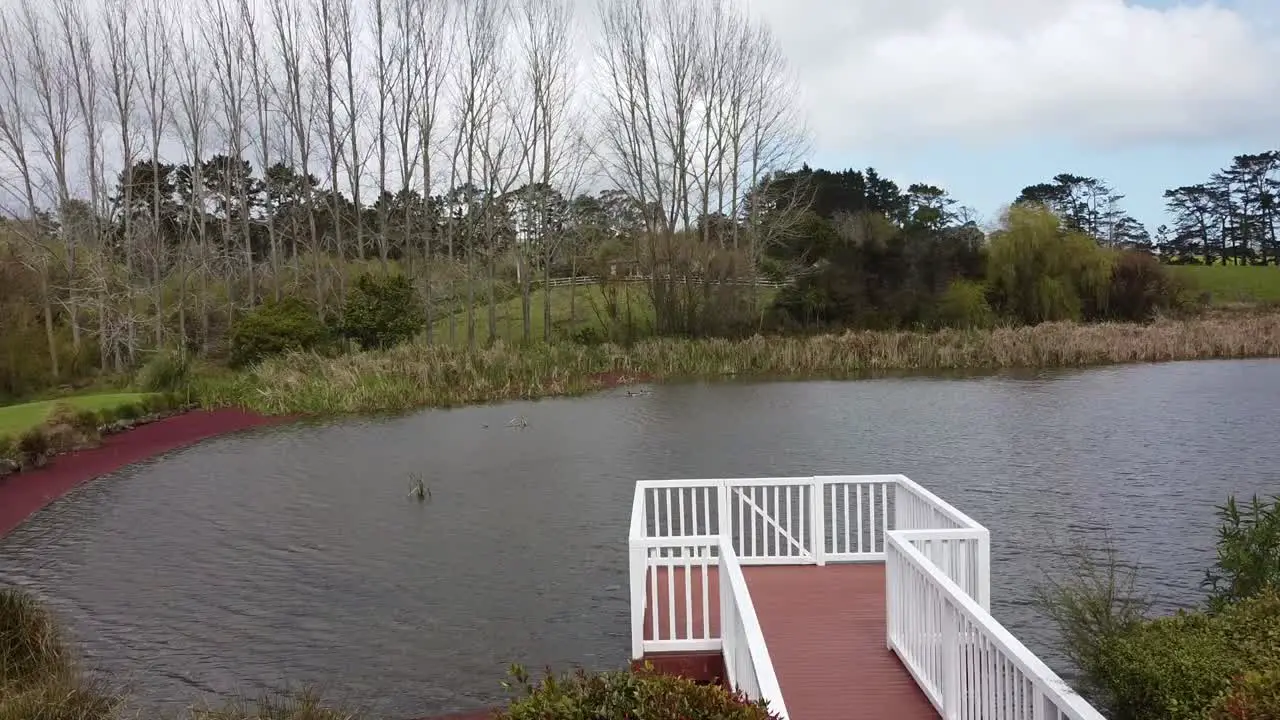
pixel 724 516
pixel 898 510
pixel 984 571
pixel 818 517
pixel 890 591
pixel 639 577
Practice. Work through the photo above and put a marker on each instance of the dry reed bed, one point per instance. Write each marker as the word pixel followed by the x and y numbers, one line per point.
pixel 420 375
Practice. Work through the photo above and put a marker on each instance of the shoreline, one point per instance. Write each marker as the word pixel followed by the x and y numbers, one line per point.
pixel 24 494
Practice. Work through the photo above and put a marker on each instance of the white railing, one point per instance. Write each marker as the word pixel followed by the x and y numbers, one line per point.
pixel 967 664
pixel 937 570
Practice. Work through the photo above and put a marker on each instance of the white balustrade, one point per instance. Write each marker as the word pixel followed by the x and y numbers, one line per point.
pixel 688 534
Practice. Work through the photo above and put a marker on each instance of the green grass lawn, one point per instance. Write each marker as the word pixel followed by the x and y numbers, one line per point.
pixel 17 419
pixel 1233 283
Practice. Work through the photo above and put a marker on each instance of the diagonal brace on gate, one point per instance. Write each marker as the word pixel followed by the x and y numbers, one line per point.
pixel 770 520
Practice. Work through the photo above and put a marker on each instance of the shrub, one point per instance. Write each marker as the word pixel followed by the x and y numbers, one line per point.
pixel 31 646
pixel 275 327
pixel 964 305
pixel 165 371
pixel 382 311
pixel 129 411
pixel 1255 696
pixel 87 420
pixel 8 448
pixel 625 695
pixel 1248 561
pixel 1179 667
pixel 1140 287
pixel 108 415
pixel 33 447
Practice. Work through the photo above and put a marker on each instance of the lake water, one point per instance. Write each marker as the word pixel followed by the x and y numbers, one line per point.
pixel 293 555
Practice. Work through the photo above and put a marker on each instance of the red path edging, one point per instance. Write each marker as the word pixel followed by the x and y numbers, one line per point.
pixel 23 494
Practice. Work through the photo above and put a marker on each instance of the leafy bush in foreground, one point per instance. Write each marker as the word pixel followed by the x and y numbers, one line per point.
pixel 625 695
pixel 1248 561
pixel 1180 667
pixel 1256 696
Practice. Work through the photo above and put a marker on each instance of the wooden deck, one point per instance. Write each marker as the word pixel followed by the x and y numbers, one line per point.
pixel 825 630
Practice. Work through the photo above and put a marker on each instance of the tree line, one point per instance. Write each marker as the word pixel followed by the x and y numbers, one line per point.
pixel 164 174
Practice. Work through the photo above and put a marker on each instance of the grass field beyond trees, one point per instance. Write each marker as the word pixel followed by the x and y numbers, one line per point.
pixel 1228 284
pixel 17 419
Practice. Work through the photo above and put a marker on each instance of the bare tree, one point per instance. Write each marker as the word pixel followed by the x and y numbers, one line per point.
pixel 477 101
pixel 326 58
pixel 195 96
pixel 156 57
pixel 547 50
pixel 344 28
pixel 229 61
pixel 259 76
pixel 294 99
pixel 424 79
pixel 122 75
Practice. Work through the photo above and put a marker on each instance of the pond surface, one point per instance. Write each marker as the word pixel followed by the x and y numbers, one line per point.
pixel 288 556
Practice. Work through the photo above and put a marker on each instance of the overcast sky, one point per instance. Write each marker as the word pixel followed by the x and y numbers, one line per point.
pixel 984 97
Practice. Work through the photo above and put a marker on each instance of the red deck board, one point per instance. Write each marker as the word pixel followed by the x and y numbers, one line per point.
pixel 825 630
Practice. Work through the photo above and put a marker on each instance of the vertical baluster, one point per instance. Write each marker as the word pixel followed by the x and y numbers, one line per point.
pixel 774 512
pixel 790 528
pixel 688 591
pixel 651 572
pixel 680 493
pixel 848 537
pixel 671 597
pixel 706 590
pixel 706 511
pixel 858 491
pixel 871 515
pixel 671 527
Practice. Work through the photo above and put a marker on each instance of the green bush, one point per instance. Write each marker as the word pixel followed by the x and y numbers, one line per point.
pixel 1255 696
pixel 33 446
pixel 108 415
pixel 964 305
pixel 276 327
pixel 1180 667
pixel 1248 561
pixel 382 311
pixel 304 705
pixel 625 695
pixel 129 411
pixel 9 448
pixel 1140 287
pixel 165 371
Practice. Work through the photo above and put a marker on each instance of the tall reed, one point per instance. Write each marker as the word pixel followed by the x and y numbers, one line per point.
pixel 418 375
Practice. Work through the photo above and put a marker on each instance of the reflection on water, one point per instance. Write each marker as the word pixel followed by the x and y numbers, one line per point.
pixel 294 555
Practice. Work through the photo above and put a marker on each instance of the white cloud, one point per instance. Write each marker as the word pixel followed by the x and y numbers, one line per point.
pixel 1098 71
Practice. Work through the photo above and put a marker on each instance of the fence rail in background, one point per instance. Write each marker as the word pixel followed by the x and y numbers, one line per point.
pixel 595 280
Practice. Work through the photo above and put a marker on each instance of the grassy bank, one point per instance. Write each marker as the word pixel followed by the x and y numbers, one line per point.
pixel 17 419
pixel 417 375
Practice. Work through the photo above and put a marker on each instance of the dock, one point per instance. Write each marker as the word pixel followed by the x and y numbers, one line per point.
pixel 830 597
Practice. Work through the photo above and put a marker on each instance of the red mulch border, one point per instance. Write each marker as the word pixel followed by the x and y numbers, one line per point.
pixel 25 493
